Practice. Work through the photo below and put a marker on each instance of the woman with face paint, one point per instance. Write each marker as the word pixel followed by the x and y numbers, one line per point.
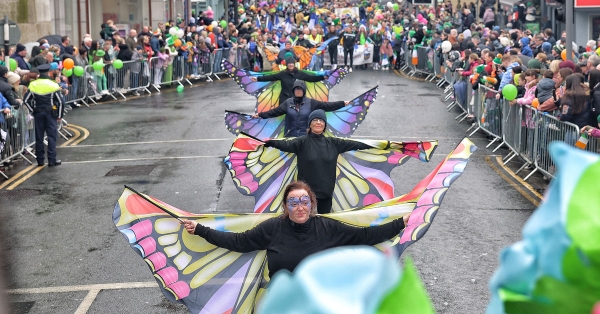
pixel 298 233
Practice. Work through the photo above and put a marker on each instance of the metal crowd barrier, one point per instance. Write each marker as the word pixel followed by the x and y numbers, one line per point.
pixel 424 65
pixel 437 69
pixel 488 114
pixel 129 78
pixel 78 90
pixel 219 54
pixel 242 60
pixel 20 136
pixel 97 83
pixel 550 129
pixel 198 67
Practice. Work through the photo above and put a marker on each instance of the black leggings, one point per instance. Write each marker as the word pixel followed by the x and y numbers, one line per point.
pixel 346 52
pixel 324 205
pixel 333 56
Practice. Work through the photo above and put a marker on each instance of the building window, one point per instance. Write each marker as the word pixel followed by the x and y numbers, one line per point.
pixel 595 27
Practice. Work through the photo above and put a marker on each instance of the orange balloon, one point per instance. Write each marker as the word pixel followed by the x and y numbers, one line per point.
pixel 563 55
pixel 535 103
pixel 177 43
pixel 68 63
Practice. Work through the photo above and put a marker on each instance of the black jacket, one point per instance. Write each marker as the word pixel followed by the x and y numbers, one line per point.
pixel 296 111
pixel 282 53
pixel 304 43
pixel 332 44
pixel 287 79
pixel 6 91
pixel 288 243
pixel 349 40
pixel 317 158
pixel 124 53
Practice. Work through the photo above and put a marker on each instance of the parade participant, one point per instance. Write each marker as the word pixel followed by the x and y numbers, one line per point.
pixel 297 110
pixel 287 78
pixel 332 47
pixel 282 54
pixel 45 101
pixel 317 157
pixel 298 233
pixel 349 39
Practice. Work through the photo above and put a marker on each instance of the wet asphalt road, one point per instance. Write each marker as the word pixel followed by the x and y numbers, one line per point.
pixel 65 236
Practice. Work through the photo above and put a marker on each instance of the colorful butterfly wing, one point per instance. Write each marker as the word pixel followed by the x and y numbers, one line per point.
pixel 272 57
pixel 317 91
pixel 262 172
pixel 429 193
pixel 238 123
pixel 344 121
pixel 304 55
pixel 268 98
pixel 188 269
pixel 243 79
pixel 363 177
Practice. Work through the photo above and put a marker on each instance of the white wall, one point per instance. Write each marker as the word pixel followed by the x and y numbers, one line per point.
pixel 583 25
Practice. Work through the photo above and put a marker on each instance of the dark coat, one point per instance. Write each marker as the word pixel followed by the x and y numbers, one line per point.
pixel 317 159
pixel 6 91
pixel 296 112
pixel 287 79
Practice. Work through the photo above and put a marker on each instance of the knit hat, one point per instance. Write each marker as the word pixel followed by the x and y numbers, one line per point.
pixel 567 64
pixel 547 47
pixel 498 59
pixel 20 48
pixel 559 48
pixel 12 78
pixel 534 64
pixel 3 70
pixel 479 69
pixel 317 114
pixel 598 119
pixel 290 60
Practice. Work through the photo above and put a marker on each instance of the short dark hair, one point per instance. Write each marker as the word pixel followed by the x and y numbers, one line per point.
pixel 63 39
pixel 548 74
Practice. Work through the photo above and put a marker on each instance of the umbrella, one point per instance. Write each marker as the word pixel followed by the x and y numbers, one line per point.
pixel 52 39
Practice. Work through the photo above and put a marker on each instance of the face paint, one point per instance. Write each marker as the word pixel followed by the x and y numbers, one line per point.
pixel 293 202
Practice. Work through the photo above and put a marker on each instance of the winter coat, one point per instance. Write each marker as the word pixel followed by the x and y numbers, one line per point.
pixel 124 53
pixel 529 96
pixel 3 105
pixel 349 40
pixel 297 110
pixel 386 50
pixel 5 90
pixel 317 159
pixel 580 119
pixel 544 89
pixel 507 77
pixel 525 49
pixel 489 16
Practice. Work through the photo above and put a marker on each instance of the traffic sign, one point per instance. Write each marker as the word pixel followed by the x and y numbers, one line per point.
pixel 14 32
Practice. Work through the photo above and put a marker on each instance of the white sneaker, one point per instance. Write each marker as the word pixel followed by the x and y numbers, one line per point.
pixel 104 92
pixel 333 67
pixel 135 93
pixel 350 70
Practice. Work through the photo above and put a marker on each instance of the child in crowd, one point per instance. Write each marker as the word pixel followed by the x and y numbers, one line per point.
pixel 545 87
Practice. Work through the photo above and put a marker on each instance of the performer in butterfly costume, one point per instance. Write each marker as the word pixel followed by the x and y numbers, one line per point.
pixel 210 279
pixel 269 92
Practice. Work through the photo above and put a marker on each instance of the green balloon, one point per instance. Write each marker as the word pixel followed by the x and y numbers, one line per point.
pixel 223 24
pixel 13 64
pixel 78 70
pixel 98 65
pixel 396 7
pixel 67 72
pixel 509 92
pixel 118 64
pixel 180 88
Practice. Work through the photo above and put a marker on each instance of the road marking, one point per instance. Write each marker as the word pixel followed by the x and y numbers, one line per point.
pixel 105 286
pixel 85 131
pixel 156 142
pixel 525 184
pixel 77 134
pixel 29 175
pixel 17 176
pixel 85 305
pixel 138 159
pixel 517 187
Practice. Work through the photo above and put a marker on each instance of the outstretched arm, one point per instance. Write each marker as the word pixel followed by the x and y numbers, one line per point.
pixel 327 106
pixel 275 112
pixel 290 146
pixel 257 238
pixel 369 235
pixel 309 78
pixel 345 145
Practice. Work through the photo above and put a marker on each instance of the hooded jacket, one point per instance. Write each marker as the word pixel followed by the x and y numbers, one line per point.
pixel 544 90
pixel 526 50
pixel 507 77
pixel 287 79
pixel 297 111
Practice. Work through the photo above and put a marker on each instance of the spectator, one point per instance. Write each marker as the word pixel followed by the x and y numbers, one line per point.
pixel 594 86
pixel 545 87
pixel 5 88
pixel 574 103
pixel 132 40
pixel 19 56
pixel 65 42
pixel 489 17
pixel 37 49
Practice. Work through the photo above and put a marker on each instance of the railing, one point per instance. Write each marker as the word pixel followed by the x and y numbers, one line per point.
pixel 18 134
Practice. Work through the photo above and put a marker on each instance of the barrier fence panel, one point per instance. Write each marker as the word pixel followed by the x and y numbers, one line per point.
pixel 593 145
pixel 219 54
pixel 405 57
pixel 242 59
pixel 408 60
pixel 129 78
pixel 204 65
pixel 488 114
pixel 527 152
pixel 19 133
pixel 164 71
pixel 511 131
pixel 550 129
pixel 97 83
pixel 423 63
pixel 77 90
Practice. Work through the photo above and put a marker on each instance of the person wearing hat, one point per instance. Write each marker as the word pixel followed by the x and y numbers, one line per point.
pixel 19 55
pixel 287 78
pixel 284 53
pixel 297 110
pixel 317 157
pixel 6 89
pixel 45 101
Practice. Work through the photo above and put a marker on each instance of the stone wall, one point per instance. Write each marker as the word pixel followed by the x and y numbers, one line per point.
pixel 33 16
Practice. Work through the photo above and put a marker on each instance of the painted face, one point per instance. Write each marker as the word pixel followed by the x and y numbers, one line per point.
pixel 299 206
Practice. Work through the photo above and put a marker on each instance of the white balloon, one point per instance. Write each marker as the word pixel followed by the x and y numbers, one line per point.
pixel 446 46
pixel 390 5
pixel 180 33
pixel 214 24
pixel 172 31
